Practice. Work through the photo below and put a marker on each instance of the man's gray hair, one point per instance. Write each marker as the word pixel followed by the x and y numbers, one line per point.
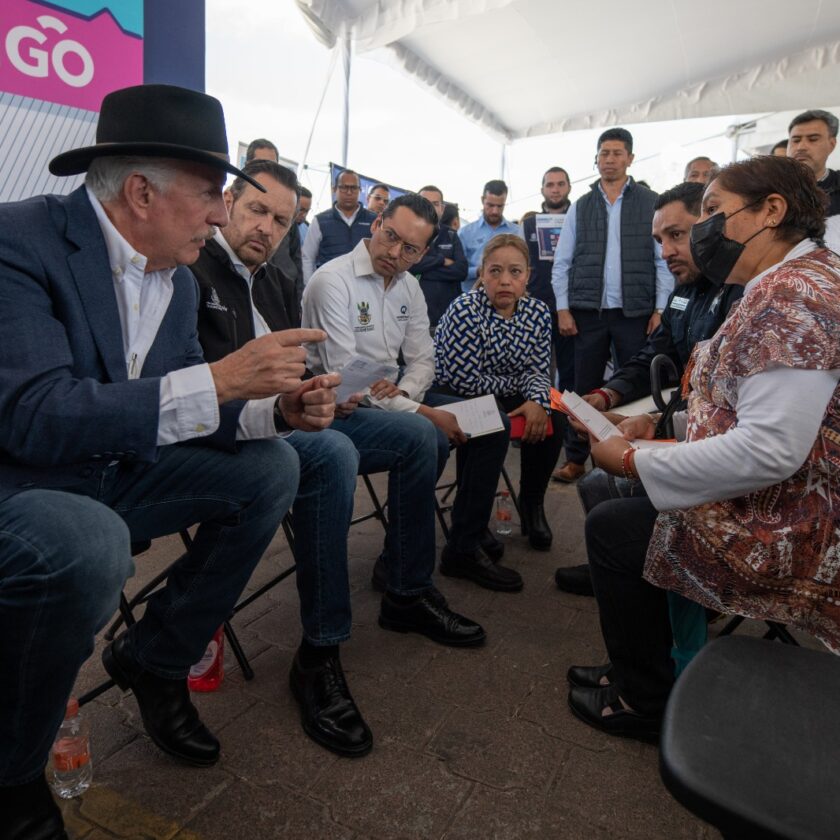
pixel 106 175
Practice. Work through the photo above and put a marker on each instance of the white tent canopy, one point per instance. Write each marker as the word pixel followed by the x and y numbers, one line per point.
pixel 522 68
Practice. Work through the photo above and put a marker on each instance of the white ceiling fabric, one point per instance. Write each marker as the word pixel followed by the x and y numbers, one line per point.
pixel 522 68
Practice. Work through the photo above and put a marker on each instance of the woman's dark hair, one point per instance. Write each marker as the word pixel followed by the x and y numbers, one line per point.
pixel 759 177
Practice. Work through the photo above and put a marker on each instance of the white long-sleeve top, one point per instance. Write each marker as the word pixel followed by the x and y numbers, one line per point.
pixel 349 301
pixel 779 414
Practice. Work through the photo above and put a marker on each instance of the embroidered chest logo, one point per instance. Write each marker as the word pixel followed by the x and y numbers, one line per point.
pixel 214 302
pixel 364 313
pixel 403 316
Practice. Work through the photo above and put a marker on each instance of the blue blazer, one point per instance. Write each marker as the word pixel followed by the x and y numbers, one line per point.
pixel 67 407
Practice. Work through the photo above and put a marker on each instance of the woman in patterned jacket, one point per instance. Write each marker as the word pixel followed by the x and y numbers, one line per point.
pixel 496 340
pixel 746 510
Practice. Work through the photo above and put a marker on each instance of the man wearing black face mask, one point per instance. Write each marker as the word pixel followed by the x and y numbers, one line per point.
pixel 695 310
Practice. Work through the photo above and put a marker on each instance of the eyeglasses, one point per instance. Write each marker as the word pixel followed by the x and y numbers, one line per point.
pixel 351 188
pixel 408 251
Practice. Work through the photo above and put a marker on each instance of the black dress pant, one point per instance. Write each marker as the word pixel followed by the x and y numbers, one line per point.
pixel 537 460
pixel 599 333
pixel 634 614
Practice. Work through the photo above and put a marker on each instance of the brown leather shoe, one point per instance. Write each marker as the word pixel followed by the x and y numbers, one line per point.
pixel 569 472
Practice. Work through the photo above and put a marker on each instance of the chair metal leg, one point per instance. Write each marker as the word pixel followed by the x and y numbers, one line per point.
pixel 236 647
pixel 513 497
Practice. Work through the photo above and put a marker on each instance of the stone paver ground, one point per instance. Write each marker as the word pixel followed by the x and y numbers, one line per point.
pixel 469 744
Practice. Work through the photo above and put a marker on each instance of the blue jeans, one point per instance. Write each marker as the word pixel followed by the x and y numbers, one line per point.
pixel 405 446
pixel 479 464
pixel 239 499
pixel 63 561
pixel 321 517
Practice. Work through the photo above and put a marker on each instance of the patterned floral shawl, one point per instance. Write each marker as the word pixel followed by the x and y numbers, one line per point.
pixel 775 553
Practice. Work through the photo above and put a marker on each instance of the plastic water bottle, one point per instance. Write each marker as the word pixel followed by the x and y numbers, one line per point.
pixel 504 514
pixel 70 767
pixel 207 674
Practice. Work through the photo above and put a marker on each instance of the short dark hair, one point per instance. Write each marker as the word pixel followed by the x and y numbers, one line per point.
pixel 495 187
pixel 620 134
pixel 689 193
pixel 281 174
pixel 304 192
pixel 830 120
pixel 782 144
pixel 451 211
pixel 346 172
pixel 379 187
pixel 431 188
pixel 753 180
pixel 555 169
pixel 260 143
pixel 418 205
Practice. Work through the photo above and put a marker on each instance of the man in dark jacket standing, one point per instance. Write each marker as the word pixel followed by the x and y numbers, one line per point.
pixel 609 281
pixel 444 267
pixel 695 311
pixel 340 229
pixel 555 192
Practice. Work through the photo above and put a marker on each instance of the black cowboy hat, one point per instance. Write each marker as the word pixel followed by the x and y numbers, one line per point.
pixel 156 121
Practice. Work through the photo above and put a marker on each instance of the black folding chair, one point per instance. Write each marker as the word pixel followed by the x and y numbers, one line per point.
pixel 127 606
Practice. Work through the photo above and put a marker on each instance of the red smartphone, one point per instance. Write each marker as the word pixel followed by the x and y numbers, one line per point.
pixel 517 427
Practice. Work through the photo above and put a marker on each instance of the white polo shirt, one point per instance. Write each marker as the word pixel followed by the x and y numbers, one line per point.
pixel 349 301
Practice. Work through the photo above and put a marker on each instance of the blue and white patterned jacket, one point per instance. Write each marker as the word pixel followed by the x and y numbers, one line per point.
pixel 477 351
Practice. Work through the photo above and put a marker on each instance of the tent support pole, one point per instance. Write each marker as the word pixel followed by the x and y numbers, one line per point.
pixel 346 60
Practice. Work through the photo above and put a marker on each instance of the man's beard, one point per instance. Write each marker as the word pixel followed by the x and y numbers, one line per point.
pixel 554 205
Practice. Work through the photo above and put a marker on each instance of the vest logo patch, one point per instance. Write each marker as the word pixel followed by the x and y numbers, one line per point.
pixel 214 302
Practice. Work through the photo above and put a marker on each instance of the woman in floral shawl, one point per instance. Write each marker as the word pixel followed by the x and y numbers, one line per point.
pixel 748 505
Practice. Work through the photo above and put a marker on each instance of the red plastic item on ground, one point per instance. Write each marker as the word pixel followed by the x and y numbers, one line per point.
pixel 208 673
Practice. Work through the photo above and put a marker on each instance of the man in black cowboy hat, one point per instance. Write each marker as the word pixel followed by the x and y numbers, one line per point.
pixel 113 430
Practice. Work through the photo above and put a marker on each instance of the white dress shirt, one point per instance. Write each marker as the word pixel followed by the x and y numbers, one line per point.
pixel 189 406
pixel 349 301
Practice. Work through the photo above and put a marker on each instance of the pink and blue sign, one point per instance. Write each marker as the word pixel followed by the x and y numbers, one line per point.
pixel 70 52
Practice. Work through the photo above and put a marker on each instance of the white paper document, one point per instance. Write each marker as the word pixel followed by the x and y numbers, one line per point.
pixel 595 422
pixel 359 374
pixel 476 417
pixel 598 425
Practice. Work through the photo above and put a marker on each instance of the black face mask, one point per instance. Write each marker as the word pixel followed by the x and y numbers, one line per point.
pixel 712 251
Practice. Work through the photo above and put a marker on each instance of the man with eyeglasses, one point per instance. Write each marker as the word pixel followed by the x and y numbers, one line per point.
pixel 338 230
pixel 377 198
pixel 372 306
pixel 444 266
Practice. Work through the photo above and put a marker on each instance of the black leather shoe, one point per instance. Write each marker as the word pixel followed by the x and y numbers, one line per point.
pixel 475 566
pixel 589 677
pixel 535 525
pixel 327 711
pixel 493 548
pixel 588 705
pixel 29 812
pixel 574 579
pixel 379 578
pixel 168 714
pixel 427 616
pixel 379 581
